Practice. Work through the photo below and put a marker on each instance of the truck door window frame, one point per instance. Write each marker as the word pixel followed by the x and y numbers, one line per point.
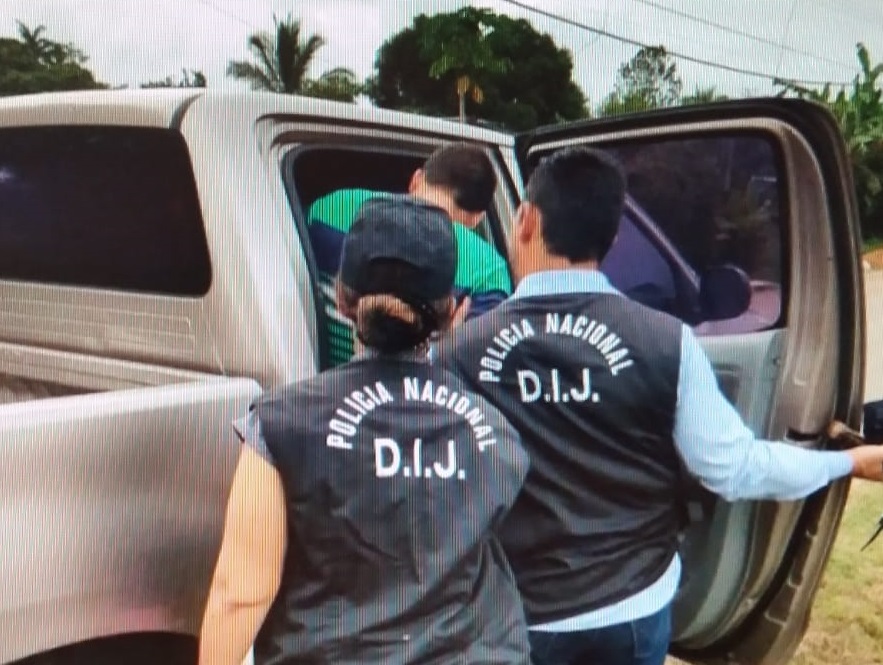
pixel 491 229
pixel 707 328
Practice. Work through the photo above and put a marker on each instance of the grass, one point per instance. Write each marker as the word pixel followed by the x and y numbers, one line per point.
pixel 873 243
pixel 846 626
pixel 874 253
pixel 847 623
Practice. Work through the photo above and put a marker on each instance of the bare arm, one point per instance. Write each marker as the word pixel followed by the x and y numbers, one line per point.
pixel 249 567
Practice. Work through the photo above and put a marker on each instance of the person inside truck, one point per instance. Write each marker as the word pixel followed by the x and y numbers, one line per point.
pixel 361 523
pixel 460 179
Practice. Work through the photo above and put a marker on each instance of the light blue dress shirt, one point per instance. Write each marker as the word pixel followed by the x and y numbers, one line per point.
pixel 715 445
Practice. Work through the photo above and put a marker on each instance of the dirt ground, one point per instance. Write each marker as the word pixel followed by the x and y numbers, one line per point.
pixel 875 258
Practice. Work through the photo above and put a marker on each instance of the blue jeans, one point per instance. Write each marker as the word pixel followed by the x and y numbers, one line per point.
pixel 641 642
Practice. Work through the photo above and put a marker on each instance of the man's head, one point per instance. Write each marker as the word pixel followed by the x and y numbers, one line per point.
pixel 570 215
pixel 459 178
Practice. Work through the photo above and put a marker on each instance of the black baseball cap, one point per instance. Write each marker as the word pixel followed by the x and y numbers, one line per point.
pixel 406 229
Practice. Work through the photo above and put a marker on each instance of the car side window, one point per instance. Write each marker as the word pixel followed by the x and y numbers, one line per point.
pixel 638 269
pixel 708 210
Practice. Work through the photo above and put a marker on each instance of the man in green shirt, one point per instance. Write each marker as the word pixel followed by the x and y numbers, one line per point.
pixel 459 179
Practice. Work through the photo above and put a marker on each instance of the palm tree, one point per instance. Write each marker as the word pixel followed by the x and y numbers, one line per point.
pixel 48 52
pixel 283 60
pixel 457 43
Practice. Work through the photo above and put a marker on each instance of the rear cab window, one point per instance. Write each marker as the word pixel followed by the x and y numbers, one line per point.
pixel 103 207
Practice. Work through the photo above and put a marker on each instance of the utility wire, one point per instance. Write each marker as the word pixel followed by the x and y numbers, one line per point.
pixel 741 33
pixel 689 58
pixel 595 39
pixel 229 15
pixel 786 28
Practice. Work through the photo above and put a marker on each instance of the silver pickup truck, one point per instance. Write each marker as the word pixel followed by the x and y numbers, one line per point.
pixel 156 273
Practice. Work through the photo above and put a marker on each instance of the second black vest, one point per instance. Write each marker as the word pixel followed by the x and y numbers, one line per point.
pixel 590 382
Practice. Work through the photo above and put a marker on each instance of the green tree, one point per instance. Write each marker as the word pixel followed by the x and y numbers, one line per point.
pixel 46 51
pixel 189 79
pixel 525 79
pixel 282 61
pixel 458 44
pixel 339 84
pixel 650 80
pixel 617 104
pixel 33 64
pixel 703 96
pixel 859 112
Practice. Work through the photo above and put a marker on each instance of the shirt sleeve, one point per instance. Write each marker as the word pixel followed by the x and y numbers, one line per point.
pixel 482 272
pixel 492 287
pixel 482 303
pixel 248 429
pixel 723 453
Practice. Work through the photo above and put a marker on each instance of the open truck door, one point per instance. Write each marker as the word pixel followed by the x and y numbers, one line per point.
pixel 742 221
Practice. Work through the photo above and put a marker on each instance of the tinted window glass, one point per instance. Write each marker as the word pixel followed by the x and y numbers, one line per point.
pixel 104 207
pixel 716 202
pixel 639 269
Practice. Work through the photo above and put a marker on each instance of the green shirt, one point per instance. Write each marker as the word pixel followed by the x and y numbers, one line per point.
pixel 482 273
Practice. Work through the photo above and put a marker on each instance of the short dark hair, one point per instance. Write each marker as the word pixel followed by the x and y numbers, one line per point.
pixel 466 171
pixel 580 193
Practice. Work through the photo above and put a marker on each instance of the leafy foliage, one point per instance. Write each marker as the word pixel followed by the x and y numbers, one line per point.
pixel 32 63
pixel 339 84
pixel 281 61
pixel 649 80
pixel 524 78
pixel 859 111
pixel 460 45
pixel 703 96
pixel 189 79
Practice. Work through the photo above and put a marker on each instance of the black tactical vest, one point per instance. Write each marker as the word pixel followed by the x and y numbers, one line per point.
pixel 396 480
pixel 590 382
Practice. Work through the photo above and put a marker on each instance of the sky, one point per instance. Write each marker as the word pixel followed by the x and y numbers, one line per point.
pixel 133 41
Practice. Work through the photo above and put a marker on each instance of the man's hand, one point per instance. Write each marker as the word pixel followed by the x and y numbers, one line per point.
pixel 867 462
pixel 461 311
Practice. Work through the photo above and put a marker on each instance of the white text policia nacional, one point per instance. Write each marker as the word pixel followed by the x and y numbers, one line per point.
pixel 389 454
pixel 589 330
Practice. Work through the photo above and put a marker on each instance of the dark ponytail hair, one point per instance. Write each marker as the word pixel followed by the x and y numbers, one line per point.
pixel 387 319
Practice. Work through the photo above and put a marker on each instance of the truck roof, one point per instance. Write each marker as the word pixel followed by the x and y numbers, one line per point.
pixel 165 107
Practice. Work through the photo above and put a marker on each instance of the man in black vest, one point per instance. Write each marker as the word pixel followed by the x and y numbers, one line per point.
pixel 610 398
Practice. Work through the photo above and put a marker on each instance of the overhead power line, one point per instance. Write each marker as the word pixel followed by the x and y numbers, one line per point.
pixel 682 56
pixel 741 33
pixel 229 15
pixel 786 28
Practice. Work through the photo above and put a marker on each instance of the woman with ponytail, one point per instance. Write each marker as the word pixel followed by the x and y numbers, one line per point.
pixel 361 525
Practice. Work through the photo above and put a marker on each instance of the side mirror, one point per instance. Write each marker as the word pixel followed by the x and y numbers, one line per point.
pixel 872 422
pixel 724 293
